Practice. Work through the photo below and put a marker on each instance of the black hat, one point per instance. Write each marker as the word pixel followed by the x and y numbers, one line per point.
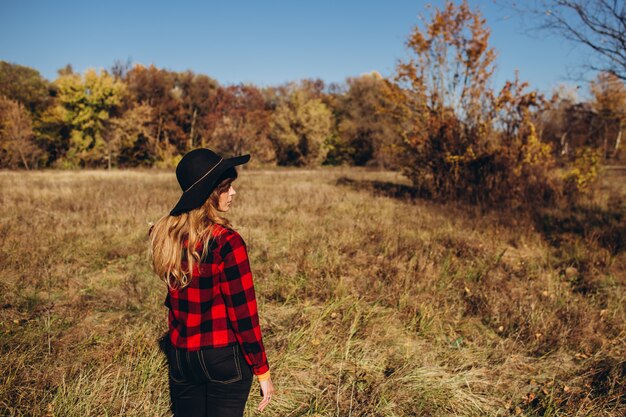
pixel 198 173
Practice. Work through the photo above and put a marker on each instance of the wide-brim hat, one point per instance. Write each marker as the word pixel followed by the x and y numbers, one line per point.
pixel 198 173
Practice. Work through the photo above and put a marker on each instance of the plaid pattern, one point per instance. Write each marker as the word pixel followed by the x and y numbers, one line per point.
pixel 218 308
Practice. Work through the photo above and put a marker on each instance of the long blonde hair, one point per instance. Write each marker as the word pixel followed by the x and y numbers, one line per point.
pixel 168 235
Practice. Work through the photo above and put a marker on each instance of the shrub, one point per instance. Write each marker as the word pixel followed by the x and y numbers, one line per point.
pixel 467 142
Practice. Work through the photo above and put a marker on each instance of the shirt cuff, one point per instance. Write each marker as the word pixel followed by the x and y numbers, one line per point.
pixel 260 370
pixel 264 376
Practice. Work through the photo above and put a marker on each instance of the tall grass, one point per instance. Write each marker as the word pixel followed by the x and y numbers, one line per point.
pixel 372 302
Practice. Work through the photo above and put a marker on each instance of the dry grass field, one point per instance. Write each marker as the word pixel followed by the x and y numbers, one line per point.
pixel 373 303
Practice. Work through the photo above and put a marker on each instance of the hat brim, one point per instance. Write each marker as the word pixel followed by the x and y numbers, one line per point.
pixel 195 196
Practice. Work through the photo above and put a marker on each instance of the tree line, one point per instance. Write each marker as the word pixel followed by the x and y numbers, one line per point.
pixel 438 119
pixel 148 116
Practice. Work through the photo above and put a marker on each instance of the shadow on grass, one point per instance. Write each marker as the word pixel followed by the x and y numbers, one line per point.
pixel 386 189
pixel 580 237
pixel 558 225
pixel 607 227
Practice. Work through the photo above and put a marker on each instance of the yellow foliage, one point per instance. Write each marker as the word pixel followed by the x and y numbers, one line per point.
pixel 584 172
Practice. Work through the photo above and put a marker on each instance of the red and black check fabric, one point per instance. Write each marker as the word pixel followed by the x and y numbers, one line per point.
pixel 218 308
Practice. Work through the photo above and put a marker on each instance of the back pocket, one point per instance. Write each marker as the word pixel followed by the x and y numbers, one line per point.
pixel 221 364
pixel 175 366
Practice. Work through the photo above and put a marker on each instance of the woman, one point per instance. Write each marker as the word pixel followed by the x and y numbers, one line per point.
pixel 214 334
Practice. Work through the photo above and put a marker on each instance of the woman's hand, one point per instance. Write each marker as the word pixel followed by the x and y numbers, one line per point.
pixel 267 388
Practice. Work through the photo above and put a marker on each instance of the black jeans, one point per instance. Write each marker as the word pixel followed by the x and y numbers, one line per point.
pixel 211 382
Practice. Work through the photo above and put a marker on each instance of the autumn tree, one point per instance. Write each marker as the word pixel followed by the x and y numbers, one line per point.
pixel 239 122
pixel 313 87
pixel 197 93
pixel 24 85
pixel 366 130
pixel 553 122
pixel 17 148
pixel 86 104
pixel 609 103
pixel 158 89
pixel 466 141
pixel 53 134
pixel 299 128
pixel 133 137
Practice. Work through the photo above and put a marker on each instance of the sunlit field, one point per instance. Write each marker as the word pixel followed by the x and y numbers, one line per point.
pixel 372 302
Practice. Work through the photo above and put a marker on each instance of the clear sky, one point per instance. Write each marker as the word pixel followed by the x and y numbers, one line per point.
pixel 265 42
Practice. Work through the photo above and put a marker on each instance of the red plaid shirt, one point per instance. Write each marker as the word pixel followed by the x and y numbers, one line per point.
pixel 218 307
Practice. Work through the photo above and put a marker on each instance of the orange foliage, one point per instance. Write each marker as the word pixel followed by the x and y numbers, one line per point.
pixel 466 141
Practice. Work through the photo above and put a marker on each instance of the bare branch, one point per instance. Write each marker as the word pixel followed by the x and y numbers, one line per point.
pixel 597 24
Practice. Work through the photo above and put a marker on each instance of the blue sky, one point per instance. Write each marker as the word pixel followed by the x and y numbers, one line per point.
pixel 264 42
